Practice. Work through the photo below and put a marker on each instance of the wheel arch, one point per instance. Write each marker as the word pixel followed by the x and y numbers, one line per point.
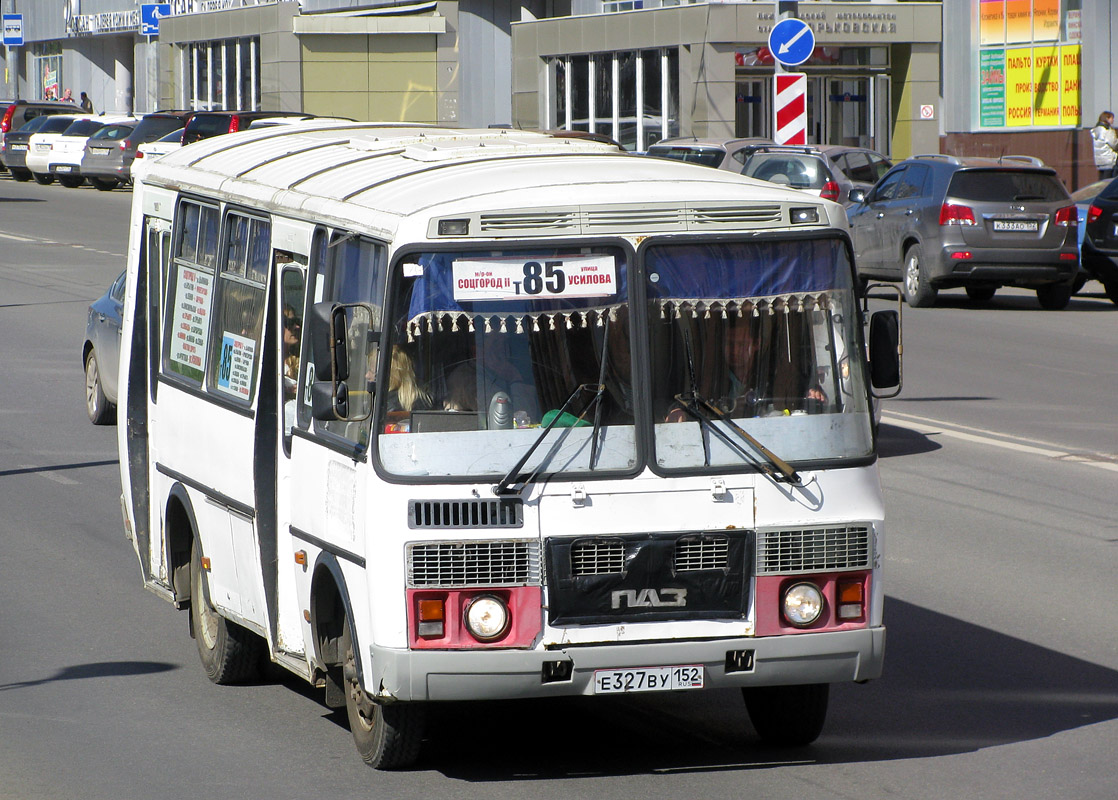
pixel 330 606
pixel 180 531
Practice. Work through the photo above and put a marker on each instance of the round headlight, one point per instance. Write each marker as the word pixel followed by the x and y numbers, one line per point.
pixel 487 617
pixel 803 603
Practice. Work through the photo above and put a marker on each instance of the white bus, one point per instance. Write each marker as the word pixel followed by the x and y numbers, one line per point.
pixel 426 415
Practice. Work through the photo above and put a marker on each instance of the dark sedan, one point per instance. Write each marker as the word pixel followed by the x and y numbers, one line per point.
pixel 1099 246
pixel 14 150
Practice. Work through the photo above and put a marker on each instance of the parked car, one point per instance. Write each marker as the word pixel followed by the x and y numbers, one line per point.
pixel 14 150
pixel 109 153
pixel 41 144
pixel 940 221
pixel 14 114
pixel 66 151
pixel 1100 236
pixel 861 166
pixel 205 124
pixel 101 352
pixel 271 122
pixel 804 168
pixel 151 150
pixel 722 153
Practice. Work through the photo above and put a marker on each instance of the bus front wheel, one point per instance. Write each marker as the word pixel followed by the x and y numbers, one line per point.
pixel 387 736
pixel 787 716
pixel 229 653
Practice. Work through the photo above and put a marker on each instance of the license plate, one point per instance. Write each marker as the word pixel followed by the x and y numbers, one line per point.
pixel 63 168
pixel 1026 226
pixel 648 679
pixel 99 151
pixel 18 147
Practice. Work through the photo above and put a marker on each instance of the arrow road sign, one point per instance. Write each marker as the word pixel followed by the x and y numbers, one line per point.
pixel 791 41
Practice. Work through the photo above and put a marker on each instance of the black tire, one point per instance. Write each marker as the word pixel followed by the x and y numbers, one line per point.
pixel 787 716
pixel 1054 296
pixel 104 184
pixel 918 293
pixel 1080 282
pixel 21 175
pixel 43 180
pixel 229 653
pixel 97 406
pixel 71 181
pixel 387 736
pixel 1111 288
pixel 981 294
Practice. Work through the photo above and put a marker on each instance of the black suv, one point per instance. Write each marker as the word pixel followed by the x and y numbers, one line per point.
pixel 15 113
pixel 940 221
pixel 1100 240
pixel 205 124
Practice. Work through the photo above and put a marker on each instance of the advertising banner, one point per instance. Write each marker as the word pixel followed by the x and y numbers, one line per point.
pixel 991 88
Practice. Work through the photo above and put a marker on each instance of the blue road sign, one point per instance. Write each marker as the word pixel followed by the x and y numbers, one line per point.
pixel 13 30
pixel 791 41
pixel 150 14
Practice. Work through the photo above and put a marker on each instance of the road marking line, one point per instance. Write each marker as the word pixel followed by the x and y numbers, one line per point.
pixel 16 238
pixel 1006 442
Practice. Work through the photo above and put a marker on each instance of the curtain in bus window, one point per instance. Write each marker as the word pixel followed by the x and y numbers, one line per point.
pixel 523 295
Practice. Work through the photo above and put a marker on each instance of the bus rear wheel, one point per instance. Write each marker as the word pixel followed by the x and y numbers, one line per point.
pixel 787 716
pixel 386 736
pixel 229 653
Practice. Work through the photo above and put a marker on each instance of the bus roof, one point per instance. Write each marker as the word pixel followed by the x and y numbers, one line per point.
pixel 378 174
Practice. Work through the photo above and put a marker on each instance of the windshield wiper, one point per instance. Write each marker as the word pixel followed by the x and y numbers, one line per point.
pixel 504 486
pixel 597 401
pixel 702 410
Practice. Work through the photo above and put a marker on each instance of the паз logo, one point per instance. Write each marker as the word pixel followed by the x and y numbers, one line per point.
pixel 649 598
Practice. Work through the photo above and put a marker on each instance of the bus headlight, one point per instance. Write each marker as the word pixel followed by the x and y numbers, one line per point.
pixel 487 617
pixel 803 603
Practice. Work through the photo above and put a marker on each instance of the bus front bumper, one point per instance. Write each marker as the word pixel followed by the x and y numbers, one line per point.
pixel 433 675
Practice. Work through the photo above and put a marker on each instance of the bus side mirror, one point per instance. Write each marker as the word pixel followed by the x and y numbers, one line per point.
pixel 885 350
pixel 328 341
pixel 341 335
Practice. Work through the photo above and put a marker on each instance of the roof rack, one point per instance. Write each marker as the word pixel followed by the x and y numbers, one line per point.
pixel 965 160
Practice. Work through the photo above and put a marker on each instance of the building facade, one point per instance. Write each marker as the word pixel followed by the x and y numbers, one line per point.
pixel 636 70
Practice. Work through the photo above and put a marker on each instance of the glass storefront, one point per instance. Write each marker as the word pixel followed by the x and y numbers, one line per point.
pixel 221 75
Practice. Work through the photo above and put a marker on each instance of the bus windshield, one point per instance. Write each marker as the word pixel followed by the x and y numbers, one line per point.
pixel 761 333
pixel 488 348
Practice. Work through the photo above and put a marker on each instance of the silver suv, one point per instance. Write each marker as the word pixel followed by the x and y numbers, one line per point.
pixel 940 221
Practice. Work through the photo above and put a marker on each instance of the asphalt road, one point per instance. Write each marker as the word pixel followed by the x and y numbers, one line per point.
pixel 1000 470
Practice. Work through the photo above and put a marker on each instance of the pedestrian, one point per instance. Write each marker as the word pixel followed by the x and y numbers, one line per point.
pixel 87 104
pixel 68 96
pixel 1106 145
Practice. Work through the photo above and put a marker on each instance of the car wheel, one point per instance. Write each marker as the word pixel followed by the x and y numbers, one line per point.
pixel 104 184
pixel 1111 288
pixel 917 291
pixel 1054 296
pixel 97 406
pixel 71 181
pixel 21 175
pixel 229 653
pixel 787 716
pixel 981 294
pixel 43 180
pixel 387 736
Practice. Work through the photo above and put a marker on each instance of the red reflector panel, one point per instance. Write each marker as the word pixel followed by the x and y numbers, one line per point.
pixel 1069 256
pixel 962 255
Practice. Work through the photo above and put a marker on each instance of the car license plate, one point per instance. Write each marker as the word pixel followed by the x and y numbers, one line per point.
pixel 15 147
pixel 99 151
pixel 63 168
pixel 648 679
pixel 1026 226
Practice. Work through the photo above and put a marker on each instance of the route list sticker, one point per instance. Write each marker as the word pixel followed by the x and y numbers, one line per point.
pixel 234 367
pixel 489 279
pixel 192 312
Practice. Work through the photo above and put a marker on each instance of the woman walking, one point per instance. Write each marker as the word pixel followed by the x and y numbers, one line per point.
pixel 1106 145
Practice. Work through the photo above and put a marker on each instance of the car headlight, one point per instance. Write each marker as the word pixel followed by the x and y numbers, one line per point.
pixel 487 617
pixel 803 604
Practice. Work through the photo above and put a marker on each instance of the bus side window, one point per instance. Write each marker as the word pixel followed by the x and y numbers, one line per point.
pixel 189 291
pixel 352 270
pixel 235 336
pixel 292 290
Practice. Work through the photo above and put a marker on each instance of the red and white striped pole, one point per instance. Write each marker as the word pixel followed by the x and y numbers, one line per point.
pixel 790 93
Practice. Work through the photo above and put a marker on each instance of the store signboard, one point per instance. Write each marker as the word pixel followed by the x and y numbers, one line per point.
pixel 991 95
pixel 1029 87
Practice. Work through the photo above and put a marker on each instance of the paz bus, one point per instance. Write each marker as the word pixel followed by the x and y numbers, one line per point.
pixel 428 415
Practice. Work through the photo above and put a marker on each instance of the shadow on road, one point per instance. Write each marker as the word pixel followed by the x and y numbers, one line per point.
pixel 949 687
pixel 98 669
pixel 893 441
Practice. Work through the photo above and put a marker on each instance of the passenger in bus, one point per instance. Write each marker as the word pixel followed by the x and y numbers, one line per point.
pixel 292 337
pixel 404 391
pixel 492 369
pixel 757 378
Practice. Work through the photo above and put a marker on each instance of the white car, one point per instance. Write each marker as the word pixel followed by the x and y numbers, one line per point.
pixel 59 155
pixel 148 151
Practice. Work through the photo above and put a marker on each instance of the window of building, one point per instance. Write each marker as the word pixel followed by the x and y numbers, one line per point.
pixel 46 70
pixel 632 96
pixel 221 75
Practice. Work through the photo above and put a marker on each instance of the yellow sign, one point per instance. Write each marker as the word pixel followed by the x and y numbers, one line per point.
pixel 1019 87
pixel 1046 86
pixel 1070 110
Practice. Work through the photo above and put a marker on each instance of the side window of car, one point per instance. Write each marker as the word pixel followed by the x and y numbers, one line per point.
pixel 888 186
pixel 913 183
pixel 858 168
pixel 878 166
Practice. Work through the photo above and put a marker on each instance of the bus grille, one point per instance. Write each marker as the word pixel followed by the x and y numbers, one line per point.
pixel 598 557
pixel 695 553
pixel 814 550
pixel 497 513
pixel 451 564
